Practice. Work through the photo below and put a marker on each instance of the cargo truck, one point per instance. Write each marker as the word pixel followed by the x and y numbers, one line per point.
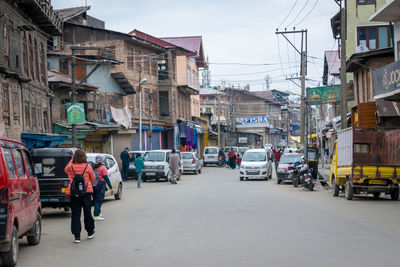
pixel 366 160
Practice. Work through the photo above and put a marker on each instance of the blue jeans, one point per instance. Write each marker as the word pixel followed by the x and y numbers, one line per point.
pixel 98 197
pixel 125 171
pixel 139 178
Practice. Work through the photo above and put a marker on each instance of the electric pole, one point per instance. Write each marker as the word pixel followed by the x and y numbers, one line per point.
pixel 73 88
pixel 219 117
pixel 303 70
pixel 151 122
pixel 343 76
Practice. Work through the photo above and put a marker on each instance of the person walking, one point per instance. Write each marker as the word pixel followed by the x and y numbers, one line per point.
pixel 99 187
pixel 232 159
pixel 278 155
pixel 125 164
pixel 80 191
pixel 139 163
pixel 174 166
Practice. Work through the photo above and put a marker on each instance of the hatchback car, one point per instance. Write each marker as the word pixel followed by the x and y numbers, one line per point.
pixel 282 171
pixel 113 173
pixel 191 163
pixel 156 165
pixel 256 164
pixel 210 155
pixel 20 207
pixel 290 150
pixel 132 169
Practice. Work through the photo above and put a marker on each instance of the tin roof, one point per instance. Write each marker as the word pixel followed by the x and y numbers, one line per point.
pixel 387 108
pixel 56 77
pixel 191 43
pixel 69 13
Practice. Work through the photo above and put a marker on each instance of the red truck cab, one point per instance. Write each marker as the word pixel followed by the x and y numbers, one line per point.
pixel 20 208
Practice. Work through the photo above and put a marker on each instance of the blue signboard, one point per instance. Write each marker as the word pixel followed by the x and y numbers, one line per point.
pixel 253 122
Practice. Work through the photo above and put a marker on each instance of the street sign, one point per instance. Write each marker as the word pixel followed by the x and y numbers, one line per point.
pixel 387 80
pixel 75 113
pixel 242 140
pixel 322 95
pixel 253 122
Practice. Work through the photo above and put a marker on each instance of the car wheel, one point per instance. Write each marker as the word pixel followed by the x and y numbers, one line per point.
pixel 204 164
pixel 241 178
pixel 376 195
pixel 278 181
pixel 118 195
pixel 335 188
pixel 349 191
pixel 36 231
pixel 200 170
pixel 295 181
pixel 9 258
pixel 394 195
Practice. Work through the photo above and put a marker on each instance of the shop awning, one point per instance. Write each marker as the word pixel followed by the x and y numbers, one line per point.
pixel 42 140
pixel 155 128
pixel 121 79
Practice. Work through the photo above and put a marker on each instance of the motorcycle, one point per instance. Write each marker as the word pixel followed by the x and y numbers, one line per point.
pixel 221 161
pixel 301 175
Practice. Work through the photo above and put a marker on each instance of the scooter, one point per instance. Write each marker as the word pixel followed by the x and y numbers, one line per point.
pixel 221 161
pixel 301 175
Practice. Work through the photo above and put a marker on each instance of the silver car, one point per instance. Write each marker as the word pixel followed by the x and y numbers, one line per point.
pixel 256 164
pixel 191 163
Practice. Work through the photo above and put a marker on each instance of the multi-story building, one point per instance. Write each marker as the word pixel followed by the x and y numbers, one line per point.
pixel 209 105
pixel 25 105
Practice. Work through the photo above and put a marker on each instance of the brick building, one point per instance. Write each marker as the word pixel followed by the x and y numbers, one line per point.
pixel 25 105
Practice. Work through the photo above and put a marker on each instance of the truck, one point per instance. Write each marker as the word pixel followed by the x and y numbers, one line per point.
pixel 366 159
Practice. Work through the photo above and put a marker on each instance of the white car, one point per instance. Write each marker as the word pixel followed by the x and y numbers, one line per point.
pixel 113 173
pixel 210 155
pixel 156 165
pixel 290 150
pixel 228 149
pixel 256 164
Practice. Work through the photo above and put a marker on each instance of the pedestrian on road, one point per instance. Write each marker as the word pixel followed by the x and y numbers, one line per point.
pixel 232 159
pixel 174 166
pixel 221 158
pixel 80 191
pixel 139 163
pixel 99 187
pixel 125 164
pixel 277 157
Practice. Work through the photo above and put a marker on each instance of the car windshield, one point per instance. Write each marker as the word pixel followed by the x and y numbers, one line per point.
pixel 187 156
pixel 227 149
pixel 254 156
pixel 211 151
pixel 289 159
pixel 290 150
pixel 154 156
pixel 242 150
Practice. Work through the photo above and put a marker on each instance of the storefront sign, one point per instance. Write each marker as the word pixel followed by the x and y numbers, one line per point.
pixel 75 113
pixel 253 122
pixel 387 80
pixel 322 95
pixel 242 140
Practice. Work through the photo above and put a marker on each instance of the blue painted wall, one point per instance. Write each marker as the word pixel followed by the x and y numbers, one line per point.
pixel 103 80
pixel 53 63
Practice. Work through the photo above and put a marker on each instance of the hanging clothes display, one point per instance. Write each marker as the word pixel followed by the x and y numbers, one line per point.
pixel 183 148
pixel 188 136
pixel 195 139
pixel 182 129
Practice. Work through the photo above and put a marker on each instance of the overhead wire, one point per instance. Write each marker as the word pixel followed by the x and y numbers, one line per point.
pixel 288 14
pixel 298 14
pixel 311 10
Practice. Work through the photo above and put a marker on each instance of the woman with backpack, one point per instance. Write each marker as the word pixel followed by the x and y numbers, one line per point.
pixel 80 191
pixel 99 186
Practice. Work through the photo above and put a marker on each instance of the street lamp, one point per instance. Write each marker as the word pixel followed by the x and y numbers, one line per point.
pixel 140 112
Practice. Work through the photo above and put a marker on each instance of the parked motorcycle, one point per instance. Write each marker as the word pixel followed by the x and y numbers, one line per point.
pixel 302 175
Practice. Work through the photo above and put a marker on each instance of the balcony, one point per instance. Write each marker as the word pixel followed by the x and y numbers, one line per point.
pixel 43 15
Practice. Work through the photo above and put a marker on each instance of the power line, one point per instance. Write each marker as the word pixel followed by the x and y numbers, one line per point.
pixel 316 2
pixel 298 14
pixel 290 12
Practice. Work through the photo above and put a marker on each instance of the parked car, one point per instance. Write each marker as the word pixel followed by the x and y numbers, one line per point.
pixel 113 173
pixel 210 155
pixel 132 168
pixel 20 207
pixel 256 164
pixel 228 149
pixel 268 146
pixel 191 163
pixel 282 171
pixel 156 165
pixel 242 150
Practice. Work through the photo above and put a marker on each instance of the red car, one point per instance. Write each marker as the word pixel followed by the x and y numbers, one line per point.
pixel 20 208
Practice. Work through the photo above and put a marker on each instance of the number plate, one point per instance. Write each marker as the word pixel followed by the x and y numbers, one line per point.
pixel 64 190
pixel 383 182
pixel 151 174
pixel 253 173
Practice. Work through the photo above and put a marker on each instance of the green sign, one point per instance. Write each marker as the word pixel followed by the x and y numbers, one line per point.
pixel 322 95
pixel 75 113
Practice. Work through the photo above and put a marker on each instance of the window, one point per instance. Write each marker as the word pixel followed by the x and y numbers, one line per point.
pixel 163 68
pixel 189 72
pixel 130 58
pixel 28 162
pixel 9 162
pixel 64 66
pixel 108 52
pixel 37 76
pixel 19 163
pixel 361 148
pixel 34 119
pixel 164 103
pixel 194 79
pixel 6 39
pixel 6 104
pixel 27 116
pixel 365 2
pixel 374 37
pixel 45 121
pixel 25 54
pixel 99 112
pixel 42 64
pixel 30 63
pixel 110 162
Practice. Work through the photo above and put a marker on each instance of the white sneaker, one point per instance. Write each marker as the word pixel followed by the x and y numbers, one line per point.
pixel 98 218
pixel 92 235
pixel 77 240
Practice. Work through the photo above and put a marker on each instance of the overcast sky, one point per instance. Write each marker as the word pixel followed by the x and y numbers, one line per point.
pixel 233 32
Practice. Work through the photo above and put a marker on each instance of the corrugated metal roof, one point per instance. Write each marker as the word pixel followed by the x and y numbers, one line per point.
pixel 263 94
pixel 68 13
pixel 55 77
pixel 387 108
pixel 333 61
pixel 191 43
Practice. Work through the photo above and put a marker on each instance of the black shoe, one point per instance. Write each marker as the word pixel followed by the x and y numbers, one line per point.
pixel 90 236
pixel 77 240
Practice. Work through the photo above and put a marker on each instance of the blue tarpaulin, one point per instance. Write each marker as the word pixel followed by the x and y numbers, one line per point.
pixel 42 140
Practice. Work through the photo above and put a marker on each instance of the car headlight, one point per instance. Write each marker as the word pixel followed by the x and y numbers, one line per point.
pixel 161 167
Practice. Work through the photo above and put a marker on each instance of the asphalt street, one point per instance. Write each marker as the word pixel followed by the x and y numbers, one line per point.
pixel 213 219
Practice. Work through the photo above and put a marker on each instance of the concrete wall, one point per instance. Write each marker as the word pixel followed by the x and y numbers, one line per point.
pixel 103 80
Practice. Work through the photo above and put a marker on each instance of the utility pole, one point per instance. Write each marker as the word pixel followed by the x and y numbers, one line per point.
pixel 151 122
pixel 219 117
pixel 73 88
pixel 303 70
pixel 343 76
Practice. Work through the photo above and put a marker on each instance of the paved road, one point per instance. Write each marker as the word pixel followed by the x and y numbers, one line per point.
pixel 213 219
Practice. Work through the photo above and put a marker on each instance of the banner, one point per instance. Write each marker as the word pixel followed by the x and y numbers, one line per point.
pixel 253 122
pixel 387 80
pixel 322 95
pixel 76 113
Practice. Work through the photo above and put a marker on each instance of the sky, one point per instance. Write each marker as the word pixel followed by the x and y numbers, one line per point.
pixel 240 32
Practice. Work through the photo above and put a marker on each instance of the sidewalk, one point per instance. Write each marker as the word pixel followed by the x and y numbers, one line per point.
pixel 323 173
